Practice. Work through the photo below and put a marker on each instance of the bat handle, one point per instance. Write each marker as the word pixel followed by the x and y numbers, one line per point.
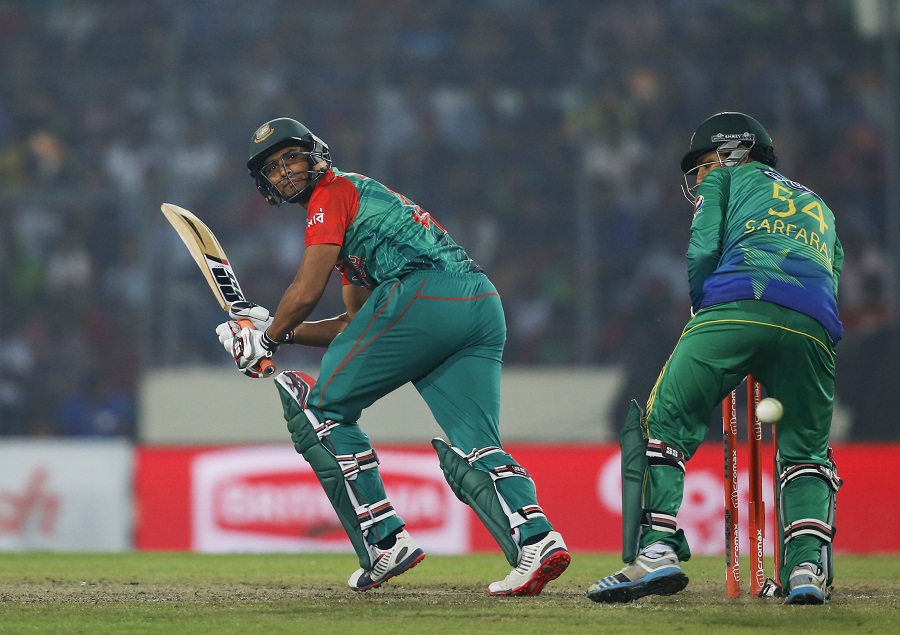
pixel 267 366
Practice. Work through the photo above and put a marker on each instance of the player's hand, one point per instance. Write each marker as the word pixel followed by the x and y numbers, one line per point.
pixel 250 347
pixel 227 332
pixel 259 315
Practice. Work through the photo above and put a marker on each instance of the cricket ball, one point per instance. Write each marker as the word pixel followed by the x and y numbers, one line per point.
pixel 769 410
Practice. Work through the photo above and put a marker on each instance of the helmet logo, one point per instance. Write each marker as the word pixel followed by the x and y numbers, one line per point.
pixel 740 136
pixel 263 133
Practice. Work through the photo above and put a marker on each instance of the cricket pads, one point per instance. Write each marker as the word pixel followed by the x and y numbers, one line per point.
pixel 323 462
pixel 476 489
pixel 634 467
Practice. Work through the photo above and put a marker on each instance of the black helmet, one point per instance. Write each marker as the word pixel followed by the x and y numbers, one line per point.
pixel 281 133
pixel 736 127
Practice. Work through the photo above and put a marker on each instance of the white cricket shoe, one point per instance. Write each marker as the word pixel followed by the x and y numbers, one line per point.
pixel 807 585
pixel 538 564
pixel 403 556
pixel 654 572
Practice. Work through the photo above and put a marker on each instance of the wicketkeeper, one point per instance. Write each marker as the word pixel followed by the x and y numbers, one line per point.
pixel 418 310
pixel 763 265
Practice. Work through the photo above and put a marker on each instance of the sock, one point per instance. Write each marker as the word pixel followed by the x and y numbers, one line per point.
pixel 533 539
pixel 388 541
pixel 657 549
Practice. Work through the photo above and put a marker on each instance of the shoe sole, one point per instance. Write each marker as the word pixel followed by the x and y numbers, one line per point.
pixel 806 598
pixel 666 585
pixel 550 569
pixel 417 557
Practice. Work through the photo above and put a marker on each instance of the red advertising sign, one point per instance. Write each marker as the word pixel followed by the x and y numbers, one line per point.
pixel 266 498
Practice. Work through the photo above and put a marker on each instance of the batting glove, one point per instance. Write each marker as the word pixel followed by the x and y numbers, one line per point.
pixel 249 347
pixel 226 332
pixel 259 315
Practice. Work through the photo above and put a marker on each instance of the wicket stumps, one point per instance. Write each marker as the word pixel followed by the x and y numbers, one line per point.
pixel 756 508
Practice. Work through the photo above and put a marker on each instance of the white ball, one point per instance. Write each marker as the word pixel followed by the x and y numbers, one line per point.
pixel 769 410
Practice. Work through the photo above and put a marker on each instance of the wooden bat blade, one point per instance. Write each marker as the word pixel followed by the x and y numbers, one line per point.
pixel 207 253
pixel 210 257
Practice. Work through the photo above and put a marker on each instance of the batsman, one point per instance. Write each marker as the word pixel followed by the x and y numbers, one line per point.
pixel 763 266
pixel 418 310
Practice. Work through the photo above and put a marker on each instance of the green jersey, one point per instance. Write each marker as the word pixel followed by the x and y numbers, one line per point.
pixel 757 235
pixel 383 235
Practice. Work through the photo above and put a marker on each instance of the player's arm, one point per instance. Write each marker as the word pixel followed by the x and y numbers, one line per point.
pixel 837 265
pixel 322 332
pixel 304 293
pixel 705 249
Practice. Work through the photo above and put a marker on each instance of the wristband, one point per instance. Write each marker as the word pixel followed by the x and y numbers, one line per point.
pixel 268 343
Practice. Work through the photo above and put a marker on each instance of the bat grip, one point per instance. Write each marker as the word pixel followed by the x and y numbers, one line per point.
pixel 267 366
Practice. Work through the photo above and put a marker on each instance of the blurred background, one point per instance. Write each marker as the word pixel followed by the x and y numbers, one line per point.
pixel 544 135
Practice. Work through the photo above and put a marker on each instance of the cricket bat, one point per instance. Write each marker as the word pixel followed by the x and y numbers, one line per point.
pixel 211 258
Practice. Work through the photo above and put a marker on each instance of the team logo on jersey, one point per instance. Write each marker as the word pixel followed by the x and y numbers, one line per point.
pixel 697 205
pixel 315 219
pixel 262 133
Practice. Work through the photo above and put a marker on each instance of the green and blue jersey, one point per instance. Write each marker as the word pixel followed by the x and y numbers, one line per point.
pixel 758 235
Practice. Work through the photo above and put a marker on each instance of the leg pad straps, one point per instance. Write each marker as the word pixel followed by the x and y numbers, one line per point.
pixel 476 488
pixel 824 531
pixel 336 473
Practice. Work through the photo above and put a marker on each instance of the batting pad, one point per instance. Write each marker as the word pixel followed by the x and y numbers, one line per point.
pixel 322 461
pixel 476 489
pixel 634 466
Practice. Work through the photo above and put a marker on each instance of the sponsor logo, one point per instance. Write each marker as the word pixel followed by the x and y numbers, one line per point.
pixel 269 499
pixel 775 176
pixel 697 204
pixel 226 281
pixel 316 218
pixel 34 507
pixel 737 136
pixel 700 515
pixel 293 504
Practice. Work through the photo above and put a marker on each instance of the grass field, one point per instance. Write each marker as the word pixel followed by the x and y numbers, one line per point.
pixel 299 594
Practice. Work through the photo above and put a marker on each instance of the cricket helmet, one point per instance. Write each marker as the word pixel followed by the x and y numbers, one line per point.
pixel 732 129
pixel 282 133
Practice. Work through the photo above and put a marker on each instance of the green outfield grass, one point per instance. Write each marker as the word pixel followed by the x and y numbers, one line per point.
pixel 181 594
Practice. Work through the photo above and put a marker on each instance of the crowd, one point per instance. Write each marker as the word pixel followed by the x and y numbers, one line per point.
pixel 545 135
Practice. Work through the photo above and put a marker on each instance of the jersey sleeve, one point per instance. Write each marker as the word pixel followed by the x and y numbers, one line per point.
pixel 707 227
pixel 837 265
pixel 330 210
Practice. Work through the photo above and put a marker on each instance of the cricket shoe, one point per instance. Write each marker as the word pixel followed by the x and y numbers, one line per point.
pixel 647 575
pixel 539 563
pixel 807 584
pixel 387 563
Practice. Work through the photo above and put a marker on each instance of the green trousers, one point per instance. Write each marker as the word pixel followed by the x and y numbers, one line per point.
pixel 792 355
pixel 445 333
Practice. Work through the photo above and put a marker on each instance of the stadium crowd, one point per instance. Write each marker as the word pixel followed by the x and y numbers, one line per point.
pixel 545 135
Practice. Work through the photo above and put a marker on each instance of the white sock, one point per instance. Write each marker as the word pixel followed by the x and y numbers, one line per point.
pixel 657 550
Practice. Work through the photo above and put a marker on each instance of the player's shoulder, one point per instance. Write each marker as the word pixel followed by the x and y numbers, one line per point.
pixel 335 186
